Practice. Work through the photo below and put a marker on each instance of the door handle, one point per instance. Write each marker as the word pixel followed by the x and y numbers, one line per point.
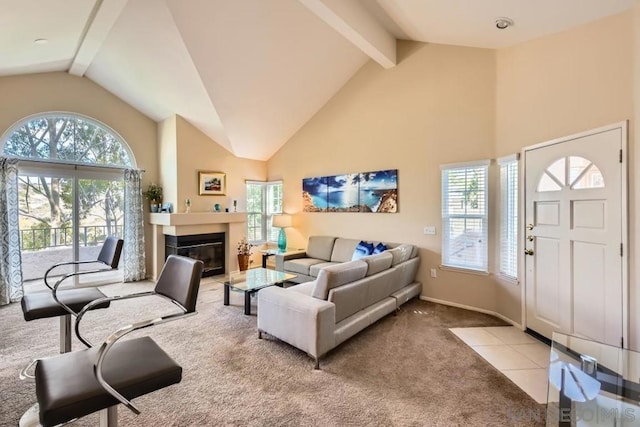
pixel 529 227
pixel 528 251
pixel 530 238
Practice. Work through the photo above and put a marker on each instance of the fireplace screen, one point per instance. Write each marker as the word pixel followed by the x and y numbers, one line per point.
pixel 208 248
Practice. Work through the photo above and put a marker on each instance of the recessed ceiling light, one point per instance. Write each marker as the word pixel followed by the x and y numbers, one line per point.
pixel 503 23
pixel 41 41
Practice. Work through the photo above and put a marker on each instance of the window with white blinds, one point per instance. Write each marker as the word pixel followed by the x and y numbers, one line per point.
pixel 509 216
pixel 264 199
pixel 464 215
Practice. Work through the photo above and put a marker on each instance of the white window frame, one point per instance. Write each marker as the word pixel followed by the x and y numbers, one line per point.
pixel 76 117
pixel 266 214
pixel 448 261
pixel 508 246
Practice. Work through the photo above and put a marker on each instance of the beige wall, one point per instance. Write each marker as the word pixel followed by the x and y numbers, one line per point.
pixel 560 85
pixel 31 94
pixel 446 104
pixel 167 156
pixel 185 150
pixel 634 197
pixel 563 84
pixel 197 152
pixel 441 104
pixel 173 144
pixel 435 107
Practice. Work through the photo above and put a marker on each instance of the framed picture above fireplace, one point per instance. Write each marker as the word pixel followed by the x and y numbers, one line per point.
pixel 211 183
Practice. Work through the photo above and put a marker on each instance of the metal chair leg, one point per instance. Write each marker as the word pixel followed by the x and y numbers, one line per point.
pixel 31 418
pixel 65 333
pixel 317 364
pixel 109 417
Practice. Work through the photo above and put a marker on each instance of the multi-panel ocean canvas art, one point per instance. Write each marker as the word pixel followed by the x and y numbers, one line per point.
pixel 356 192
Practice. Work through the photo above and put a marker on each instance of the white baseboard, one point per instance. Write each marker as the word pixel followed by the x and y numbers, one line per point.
pixel 468 307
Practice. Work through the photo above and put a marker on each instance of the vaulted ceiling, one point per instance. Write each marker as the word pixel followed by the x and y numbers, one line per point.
pixel 250 73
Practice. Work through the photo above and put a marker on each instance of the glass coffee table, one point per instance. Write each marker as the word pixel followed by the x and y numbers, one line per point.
pixel 592 383
pixel 251 281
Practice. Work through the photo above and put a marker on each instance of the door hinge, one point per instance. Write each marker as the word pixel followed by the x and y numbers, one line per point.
pixel 621 252
pixel 620 156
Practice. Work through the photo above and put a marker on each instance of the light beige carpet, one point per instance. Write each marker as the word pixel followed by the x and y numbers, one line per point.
pixel 406 370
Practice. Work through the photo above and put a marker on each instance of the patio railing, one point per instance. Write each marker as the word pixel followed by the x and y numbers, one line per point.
pixel 33 239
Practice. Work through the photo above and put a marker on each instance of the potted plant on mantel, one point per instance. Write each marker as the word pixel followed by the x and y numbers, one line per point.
pixel 154 194
pixel 244 253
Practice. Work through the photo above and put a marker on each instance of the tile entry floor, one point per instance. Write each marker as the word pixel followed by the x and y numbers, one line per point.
pixel 520 357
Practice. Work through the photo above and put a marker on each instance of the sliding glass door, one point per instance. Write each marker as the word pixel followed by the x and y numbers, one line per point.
pixel 65 215
pixel 100 215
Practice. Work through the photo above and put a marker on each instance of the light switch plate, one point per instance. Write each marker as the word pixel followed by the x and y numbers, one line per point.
pixel 430 229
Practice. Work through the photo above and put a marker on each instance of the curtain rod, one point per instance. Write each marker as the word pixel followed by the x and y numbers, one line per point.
pixel 75 166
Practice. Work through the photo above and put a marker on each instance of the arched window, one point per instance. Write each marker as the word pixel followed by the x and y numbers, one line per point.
pixel 70 187
pixel 66 138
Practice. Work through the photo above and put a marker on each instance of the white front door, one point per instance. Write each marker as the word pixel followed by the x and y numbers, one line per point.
pixel 575 222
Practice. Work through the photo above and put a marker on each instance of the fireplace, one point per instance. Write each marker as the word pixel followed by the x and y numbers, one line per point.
pixel 208 248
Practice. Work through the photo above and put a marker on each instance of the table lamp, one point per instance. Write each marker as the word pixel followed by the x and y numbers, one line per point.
pixel 282 221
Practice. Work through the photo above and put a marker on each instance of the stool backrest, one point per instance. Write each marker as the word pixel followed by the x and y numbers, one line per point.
pixel 180 280
pixel 111 251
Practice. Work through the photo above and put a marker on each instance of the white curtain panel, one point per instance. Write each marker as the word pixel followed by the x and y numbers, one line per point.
pixel 133 249
pixel 10 260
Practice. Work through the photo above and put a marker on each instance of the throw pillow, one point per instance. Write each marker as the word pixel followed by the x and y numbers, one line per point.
pixel 380 247
pixel 363 249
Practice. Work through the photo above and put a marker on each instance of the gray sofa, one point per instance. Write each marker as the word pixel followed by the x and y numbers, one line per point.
pixel 322 251
pixel 345 298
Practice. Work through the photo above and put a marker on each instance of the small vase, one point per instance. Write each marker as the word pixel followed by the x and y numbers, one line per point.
pixel 154 206
pixel 243 262
pixel 282 240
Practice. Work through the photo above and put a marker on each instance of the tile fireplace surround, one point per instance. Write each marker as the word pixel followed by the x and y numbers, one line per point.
pixel 233 224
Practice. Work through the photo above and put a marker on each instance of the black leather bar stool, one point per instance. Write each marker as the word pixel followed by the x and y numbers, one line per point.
pixel 65 302
pixel 72 385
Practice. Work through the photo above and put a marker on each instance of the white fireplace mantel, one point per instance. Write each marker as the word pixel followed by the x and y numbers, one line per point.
pixel 233 224
pixel 196 218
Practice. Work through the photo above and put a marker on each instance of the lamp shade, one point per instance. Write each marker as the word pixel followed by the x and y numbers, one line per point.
pixel 282 221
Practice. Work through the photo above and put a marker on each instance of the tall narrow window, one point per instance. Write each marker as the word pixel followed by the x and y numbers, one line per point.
pixel 464 215
pixel 264 199
pixel 509 216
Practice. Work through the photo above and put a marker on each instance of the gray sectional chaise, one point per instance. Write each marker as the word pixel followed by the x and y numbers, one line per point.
pixel 342 300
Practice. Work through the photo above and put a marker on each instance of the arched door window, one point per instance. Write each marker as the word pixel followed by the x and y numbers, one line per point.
pixel 574 172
